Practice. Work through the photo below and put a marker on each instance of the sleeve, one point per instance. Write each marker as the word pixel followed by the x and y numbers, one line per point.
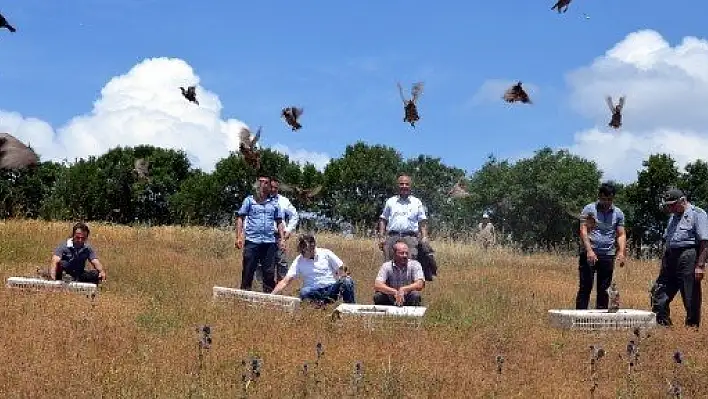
pixel 421 211
pixel 59 250
pixel 620 219
pixel 587 210
pixel 279 213
pixel 92 254
pixel 292 270
pixel 290 210
pixel 383 274
pixel 417 271
pixel 334 262
pixel 245 207
pixel 702 226
pixel 386 214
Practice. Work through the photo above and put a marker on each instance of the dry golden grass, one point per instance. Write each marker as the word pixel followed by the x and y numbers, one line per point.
pixel 138 338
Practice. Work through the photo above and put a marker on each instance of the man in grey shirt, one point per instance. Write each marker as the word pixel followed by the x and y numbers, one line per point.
pixel 399 280
pixel 683 262
pixel 603 243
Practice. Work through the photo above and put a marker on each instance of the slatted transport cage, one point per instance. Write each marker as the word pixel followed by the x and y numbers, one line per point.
pixel 383 316
pixel 38 284
pixel 289 303
pixel 601 319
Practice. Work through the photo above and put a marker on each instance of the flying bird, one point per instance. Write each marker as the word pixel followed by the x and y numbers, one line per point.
pixel 14 154
pixel 142 168
pixel 516 93
pixel 304 195
pixel 458 191
pixel 248 148
pixel 190 94
pixel 5 24
pixel 560 4
pixel 410 106
pixel 616 121
pixel 291 114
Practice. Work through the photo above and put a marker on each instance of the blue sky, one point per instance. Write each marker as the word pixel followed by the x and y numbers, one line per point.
pixel 340 61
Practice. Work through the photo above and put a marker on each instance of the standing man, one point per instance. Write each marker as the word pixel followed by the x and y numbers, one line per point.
pixel 485 232
pixel 684 259
pixel 403 217
pixel 290 218
pixel 257 239
pixel 603 242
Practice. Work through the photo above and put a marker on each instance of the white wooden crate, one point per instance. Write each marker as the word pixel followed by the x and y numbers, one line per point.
pixel 379 315
pixel 601 319
pixel 38 284
pixel 289 303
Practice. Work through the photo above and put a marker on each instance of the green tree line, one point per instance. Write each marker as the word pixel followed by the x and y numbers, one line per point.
pixel 534 202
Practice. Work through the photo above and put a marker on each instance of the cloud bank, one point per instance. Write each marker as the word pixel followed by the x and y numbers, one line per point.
pixel 666 91
pixel 145 106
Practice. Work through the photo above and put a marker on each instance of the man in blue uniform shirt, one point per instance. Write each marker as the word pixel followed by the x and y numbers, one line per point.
pixel 683 262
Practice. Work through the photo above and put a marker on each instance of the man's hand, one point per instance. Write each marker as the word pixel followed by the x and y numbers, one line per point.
pixel 382 242
pixel 286 235
pixel 400 297
pixel 620 259
pixel 592 257
pixel 699 273
pixel 239 242
pixel 102 275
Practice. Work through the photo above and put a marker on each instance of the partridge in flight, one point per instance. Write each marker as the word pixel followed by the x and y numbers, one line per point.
pixel 410 105
pixel 248 148
pixel 291 115
pixel 190 94
pixel 5 24
pixel 560 4
pixel 616 121
pixel 14 154
pixel 516 93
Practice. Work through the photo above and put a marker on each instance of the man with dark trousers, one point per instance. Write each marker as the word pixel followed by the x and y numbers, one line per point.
pixel 684 259
pixel 603 243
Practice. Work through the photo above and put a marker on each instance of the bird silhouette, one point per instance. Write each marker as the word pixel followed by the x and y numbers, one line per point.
pixel 291 115
pixel 458 191
pixel 304 195
pixel 190 94
pixel 142 168
pixel 516 93
pixel 410 107
pixel 247 146
pixel 616 121
pixel 5 24
pixel 560 4
pixel 14 154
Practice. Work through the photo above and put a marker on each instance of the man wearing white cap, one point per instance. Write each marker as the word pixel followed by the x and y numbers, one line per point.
pixel 684 260
pixel 485 232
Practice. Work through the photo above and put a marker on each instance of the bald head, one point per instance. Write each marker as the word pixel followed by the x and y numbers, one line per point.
pixel 404 185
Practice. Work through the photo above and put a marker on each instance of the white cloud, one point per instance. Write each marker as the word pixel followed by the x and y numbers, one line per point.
pixel 319 159
pixel 666 90
pixel 492 91
pixel 143 106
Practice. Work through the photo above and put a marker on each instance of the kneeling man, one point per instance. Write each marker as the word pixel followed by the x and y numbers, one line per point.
pixel 400 280
pixel 70 258
pixel 322 273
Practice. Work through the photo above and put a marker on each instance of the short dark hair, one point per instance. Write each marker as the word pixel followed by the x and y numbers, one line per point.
pixel 274 179
pixel 80 226
pixel 305 241
pixel 607 189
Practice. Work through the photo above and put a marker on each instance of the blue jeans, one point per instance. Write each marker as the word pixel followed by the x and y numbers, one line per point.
pixel 331 292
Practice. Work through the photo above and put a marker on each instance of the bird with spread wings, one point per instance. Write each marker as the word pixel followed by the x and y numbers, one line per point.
pixel 5 24
pixel 616 121
pixel 410 107
pixel 560 4
pixel 291 115
pixel 190 94
pixel 14 154
pixel 247 146
pixel 516 93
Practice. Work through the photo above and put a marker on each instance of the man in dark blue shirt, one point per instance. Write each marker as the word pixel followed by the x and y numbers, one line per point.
pixel 71 256
pixel 603 242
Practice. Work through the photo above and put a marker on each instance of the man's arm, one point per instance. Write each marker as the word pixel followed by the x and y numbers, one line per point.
pixel 702 235
pixel 54 266
pixel 418 278
pixel 281 285
pixel 93 259
pixel 380 282
pixel 423 227
pixel 294 218
pixel 240 215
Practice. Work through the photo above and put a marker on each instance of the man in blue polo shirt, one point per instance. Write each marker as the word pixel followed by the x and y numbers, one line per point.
pixel 683 262
pixel 603 242
pixel 71 256
pixel 256 235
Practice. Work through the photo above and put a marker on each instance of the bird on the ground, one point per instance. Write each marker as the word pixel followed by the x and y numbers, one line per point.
pixel 14 154
pixel 190 94
pixel 5 24
pixel 247 146
pixel 560 4
pixel 291 115
pixel 616 121
pixel 410 105
pixel 516 93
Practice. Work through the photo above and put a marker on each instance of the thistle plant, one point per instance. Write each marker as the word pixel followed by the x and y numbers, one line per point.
pixel 596 353
pixel 675 389
pixel 203 345
pixel 614 296
pixel 500 363
pixel 251 372
pixel 357 379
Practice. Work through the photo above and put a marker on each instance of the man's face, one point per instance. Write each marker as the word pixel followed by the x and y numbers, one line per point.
pixel 605 201
pixel 79 238
pixel 274 187
pixel 264 185
pixel 404 185
pixel 400 254
pixel 309 251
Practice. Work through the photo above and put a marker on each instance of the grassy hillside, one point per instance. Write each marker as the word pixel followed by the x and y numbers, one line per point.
pixel 138 338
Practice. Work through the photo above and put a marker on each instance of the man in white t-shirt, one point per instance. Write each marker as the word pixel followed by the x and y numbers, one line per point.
pixel 403 217
pixel 323 274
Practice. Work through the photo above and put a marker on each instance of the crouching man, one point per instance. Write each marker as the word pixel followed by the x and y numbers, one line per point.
pixel 70 257
pixel 400 280
pixel 322 272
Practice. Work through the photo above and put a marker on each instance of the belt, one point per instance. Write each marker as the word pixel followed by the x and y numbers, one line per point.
pixel 403 233
pixel 677 249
